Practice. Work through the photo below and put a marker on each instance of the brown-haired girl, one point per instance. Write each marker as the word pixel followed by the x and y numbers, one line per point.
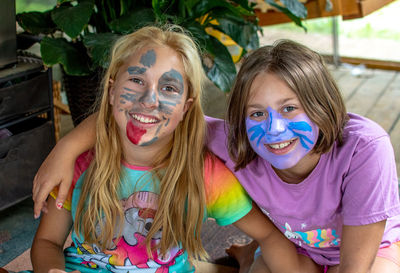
pixel 138 199
pixel 326 178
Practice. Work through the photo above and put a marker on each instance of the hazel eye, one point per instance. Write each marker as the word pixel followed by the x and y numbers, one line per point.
pixel 137 81
pixel 170 88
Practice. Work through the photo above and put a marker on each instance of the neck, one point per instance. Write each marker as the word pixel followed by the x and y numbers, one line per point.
pixel 142 155
pixel 300 171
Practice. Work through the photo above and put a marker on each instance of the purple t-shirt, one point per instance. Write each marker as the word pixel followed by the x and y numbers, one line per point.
pixel 352 184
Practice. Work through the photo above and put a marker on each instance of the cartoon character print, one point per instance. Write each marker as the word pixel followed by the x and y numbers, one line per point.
pixel 130 249
pixel 319 238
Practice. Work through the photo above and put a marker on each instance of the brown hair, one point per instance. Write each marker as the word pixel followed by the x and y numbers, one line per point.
pixel 304 71
pixel 179 166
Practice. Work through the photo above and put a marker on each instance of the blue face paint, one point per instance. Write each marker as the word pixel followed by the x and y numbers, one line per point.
pixel 282 142
pixel 149 58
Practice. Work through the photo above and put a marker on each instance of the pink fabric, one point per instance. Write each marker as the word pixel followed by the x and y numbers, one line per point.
pixel 391 253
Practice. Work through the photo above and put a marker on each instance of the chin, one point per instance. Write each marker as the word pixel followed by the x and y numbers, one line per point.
pixel 287 164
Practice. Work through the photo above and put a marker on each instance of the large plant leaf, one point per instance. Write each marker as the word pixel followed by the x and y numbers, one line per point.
pixel 132 21
pixel 246 4
pixel 73 19
pixel 59 51
pixel 197 33
pixel 159 6
pixel 99 47
pixel 223 71
pixel 59 2
pixel 201 8
pixel 36 22
pixel 290 14
pixel 244 33
pixel 295 7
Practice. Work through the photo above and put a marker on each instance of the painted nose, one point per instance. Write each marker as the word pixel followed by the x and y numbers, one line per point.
pixel 149 98
pixel 275 124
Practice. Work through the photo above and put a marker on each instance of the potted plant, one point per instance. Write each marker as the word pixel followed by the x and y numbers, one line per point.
pixel 78 35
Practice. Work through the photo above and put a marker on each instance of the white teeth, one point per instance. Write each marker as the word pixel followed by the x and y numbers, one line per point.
pixel 144 119
pixel 280 145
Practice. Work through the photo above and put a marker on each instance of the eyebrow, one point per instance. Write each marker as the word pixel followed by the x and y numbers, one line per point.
pixel 257 105
pixel 136 70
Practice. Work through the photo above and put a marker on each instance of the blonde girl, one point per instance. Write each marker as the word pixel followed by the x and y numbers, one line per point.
pixel 138 199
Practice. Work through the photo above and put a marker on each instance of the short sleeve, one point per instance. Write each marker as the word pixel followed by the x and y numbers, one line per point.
pixel 81 164
pixel 370 190
pixel 227 201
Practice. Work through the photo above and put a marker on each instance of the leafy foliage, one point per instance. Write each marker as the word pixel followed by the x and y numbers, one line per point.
pixel 79 33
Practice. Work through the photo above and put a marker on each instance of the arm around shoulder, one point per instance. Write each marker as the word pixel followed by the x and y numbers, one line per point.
pixel 58 167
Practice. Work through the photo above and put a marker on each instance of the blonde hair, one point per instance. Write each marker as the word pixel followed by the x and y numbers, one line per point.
pixel 304 71
pixel 182 199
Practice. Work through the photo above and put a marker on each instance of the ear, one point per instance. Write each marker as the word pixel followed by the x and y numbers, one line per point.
pixel 188 104
pixel 111 91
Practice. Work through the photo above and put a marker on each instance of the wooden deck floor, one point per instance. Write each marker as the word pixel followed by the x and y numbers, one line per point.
pixel 374 94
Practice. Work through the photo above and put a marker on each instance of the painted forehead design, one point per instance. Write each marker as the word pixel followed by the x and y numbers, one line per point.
pixel 148 59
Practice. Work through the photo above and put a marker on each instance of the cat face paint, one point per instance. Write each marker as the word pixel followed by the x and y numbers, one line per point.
pixel 148 96
pixel 277 127
pixel 282 142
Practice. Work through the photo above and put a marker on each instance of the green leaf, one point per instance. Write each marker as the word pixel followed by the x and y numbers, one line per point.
pixel 72 20
pixel 205 6
pixel 244 4
pixel 99 47
pixel 244 33
pixel 288 13
pixel 59 2
pixel 190 3
pixel 59 51
pixel 197 32
pixel 132 21
pixel 36 22
pixel 223 70
pixel 160 5
pixel 295 7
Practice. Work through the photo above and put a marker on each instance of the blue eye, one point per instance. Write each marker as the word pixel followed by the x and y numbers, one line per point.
pixel 257 114
pixel 289 109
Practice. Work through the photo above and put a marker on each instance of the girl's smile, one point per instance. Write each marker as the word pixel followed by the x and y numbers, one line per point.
pixel 144 120
pixel 280 148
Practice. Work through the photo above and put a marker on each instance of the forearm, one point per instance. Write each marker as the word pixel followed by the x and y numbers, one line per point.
pixel 58 167
pixel 46 255
pixel 359 246
pixel 361 263
pixel 80 139
pixel 279 254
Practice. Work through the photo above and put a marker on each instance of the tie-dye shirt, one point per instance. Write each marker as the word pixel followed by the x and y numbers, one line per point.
pixel 226 202
pixel 352 184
